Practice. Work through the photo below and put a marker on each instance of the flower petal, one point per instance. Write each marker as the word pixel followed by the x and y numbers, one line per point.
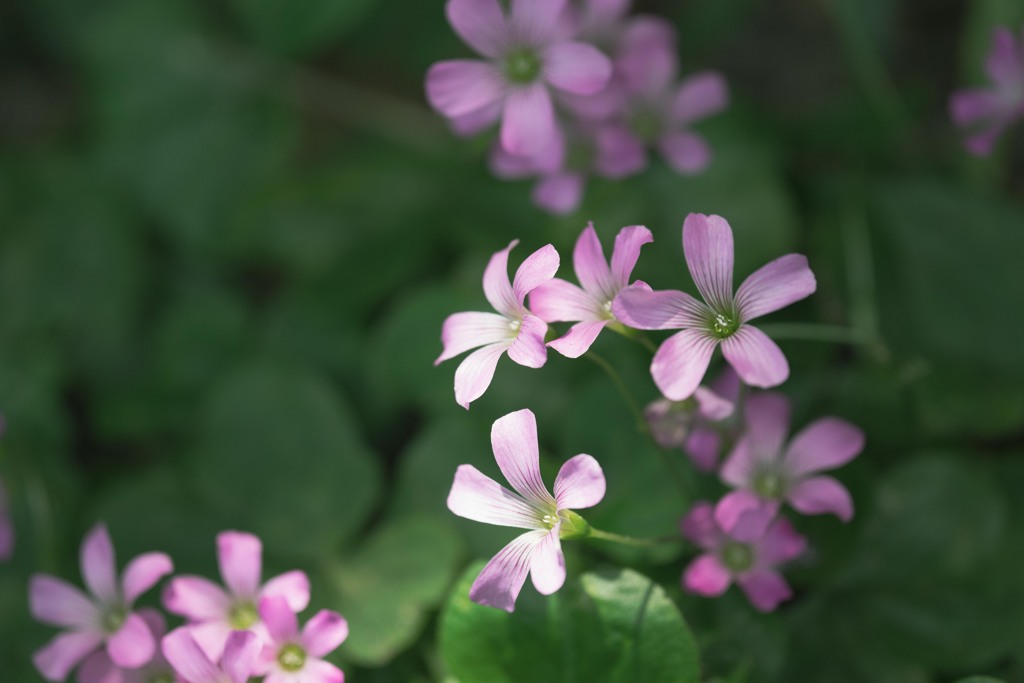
pixel 319 671
pixel 580 483
pixel 702 446
pixel 1005 65
pixel 528 121
pixel 681 361
pixel 706 576
pixel 59 656
pixel 538 268
pixel 468 330
pixel 823 445
pixel 293 586
pixel 133 645
pixel 755 357
pixel 500 581
pixel 281 623
pixel 528 348
pixel 480 24
pixel 547 567
pixel 711 405
pixel 578 340
pixel 187 658
pixel 774 286
pixel 458 87
pixel 780 544
pixel 627 252
pixel 97 668
pixel 699 526
pixel 686 153
pixel 497 286
pixel 324 632
pixel 765 589
pixel 578 68
pixel 820 495
pixel 970 106
pixel 196 598
pixel 98 564
pixel 981 143
pixel 618 153
pixel 560 193
pixel 666 309
pixel 212 636
pixel 558 301
pixel 536 21
pixel 514 441
pixel 767 425
pixel 700 96
pixel 475 372
pixel 143 572
pixel 477 121
pixel 240 654
pixel 57 603
pixel 477 497
pixel 647 58
pixel 739 467
pixel 591 266
pixel 708 247
pixel 744 516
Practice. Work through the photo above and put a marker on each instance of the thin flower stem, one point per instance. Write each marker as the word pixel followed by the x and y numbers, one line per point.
pixel 819 332
pixel 635 542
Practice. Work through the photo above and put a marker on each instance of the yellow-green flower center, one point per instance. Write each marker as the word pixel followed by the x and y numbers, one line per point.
pixel 113 619
pixel 738 557
pixel 291 657
pixel 724 325
pixel 522 66
pixel 769 484
pixel 162 677
pixel 243 615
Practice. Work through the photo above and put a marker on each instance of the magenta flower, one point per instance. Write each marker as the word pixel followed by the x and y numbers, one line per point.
pixel 291 656
pixel 6 526
pixel 722 319
pixel 99 668
pixel 580 484
pixel 214 612
pixel 768 471
pixel 590 307
pixel 104 618
pixel 513 329
pixel 526 52
pixel 750 563
pixel 990 111
pixel 194 665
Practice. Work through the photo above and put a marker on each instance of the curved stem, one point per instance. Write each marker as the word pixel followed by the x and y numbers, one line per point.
pixel 634 542
pixel 616 378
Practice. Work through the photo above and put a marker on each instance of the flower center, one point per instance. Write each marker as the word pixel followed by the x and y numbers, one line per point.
pixel 723 325
pixel 769 485
pixel 243 615
pixel 113 619
pixel 162 677
pixel 291 657
pixel 738 557
pixel 514 326
pixel 646 125
pixel 522 66
pixel 549 521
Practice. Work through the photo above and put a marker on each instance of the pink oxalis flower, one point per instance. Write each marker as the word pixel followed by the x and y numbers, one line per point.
pixel 580 484
pixel 215 612
pixel 103 619
pixel 99 668
pixel 291 656
pixel 722 318
pixel 988 112
pixel 513 329
pixel 193 665
pixel 749 562
pixel 589 306
pixel 527 52
pixel 767 471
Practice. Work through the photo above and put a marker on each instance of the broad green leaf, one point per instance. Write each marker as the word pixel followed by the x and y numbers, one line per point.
pixel 299 27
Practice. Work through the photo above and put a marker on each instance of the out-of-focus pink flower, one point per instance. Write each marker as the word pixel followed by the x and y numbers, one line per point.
pixel 750 562
pixel 103 619
pixel 194 665
pixel 99 668
pixel 590 307
pixel 290 656
pixel 214 612
pixel 580 484
pixel 768 471
pixel 527 52
pixel 988 112
pixel 722 318
pixel 6 526
pixel 513 329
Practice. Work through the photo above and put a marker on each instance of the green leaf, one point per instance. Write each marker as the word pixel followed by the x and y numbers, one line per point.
pixel 299 27
pixel 610 626
pixel 980 679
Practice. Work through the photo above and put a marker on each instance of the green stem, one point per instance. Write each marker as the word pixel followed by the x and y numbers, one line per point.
pixel 634 542
pixel 818 332
pixel 616 378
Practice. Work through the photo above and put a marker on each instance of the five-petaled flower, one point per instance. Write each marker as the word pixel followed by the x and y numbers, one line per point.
pixel 105 618
pixel 99 668
pixel 580 484
pixel 194 665
pixel 293 656
pixel 722 318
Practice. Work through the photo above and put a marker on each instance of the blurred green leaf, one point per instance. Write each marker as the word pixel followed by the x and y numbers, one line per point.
pixel 980 679
pixel 300 27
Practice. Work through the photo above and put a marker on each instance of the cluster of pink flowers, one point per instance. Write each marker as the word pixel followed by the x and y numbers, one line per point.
pixel 579 89
pixel 250 629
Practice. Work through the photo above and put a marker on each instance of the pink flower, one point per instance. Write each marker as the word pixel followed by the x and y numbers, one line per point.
pixel 527 52
pixel 513 329
pixel 579 484
pixel 290 656
pixel 99 668
pixel 214 612
pixel 105 618
pixel 590 307
pixel 194 665
pixel 681 361
pixel 750 563
pixel 6 526
pixel 990 111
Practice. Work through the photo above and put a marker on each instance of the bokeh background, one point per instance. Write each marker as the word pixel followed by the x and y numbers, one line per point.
pixel 230 231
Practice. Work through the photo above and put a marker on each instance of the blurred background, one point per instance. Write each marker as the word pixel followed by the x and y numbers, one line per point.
pixel 230 231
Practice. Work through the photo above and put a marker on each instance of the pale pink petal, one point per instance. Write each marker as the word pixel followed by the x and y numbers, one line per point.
pixel 821 495
pixel 281 623
pixel 702 446
pixel 457 87
pixel 686 153
pixel 514 441
pixel 324 633
pixel 319 671
pixel 591 266
pixel 528 122
pixel 133 645
pixel 187 658
pixel 475 372
pixel 98 565
pixel 528 348
pixel 700 96
pixel 727 384
pixel 706 576
pixel 774 286
pixel 668 422
pixel 480 24
pixel 155 621
pixel 559 194
pixel 57 658
pixel 578 340
pixel 212 636
pixel 539 267
pixel 548 160
pixel 755 357
pixel 700 528
pixel 780 544
pixel 293 586
pixel 967 107
pixel 500 581
pixel 196 598
pixel 97 668
pixel 477 121
pixel 537 21
pixel 739 467
pixel 648 59
pixel 823 445
pixel 707 244
pixel 767 418
pixel 558 301
pixel 464 331
pixel 57 603
pixel 711 405
pixel 661 310
pixel 618 153
pixel 547 567
pixel 765 589
pixel 578 68
pixel 626 252
pixel 143 572
pixel 477 497
pixel 681 361
pixel 580 483
pixel 240 653
pixel 605 13
pixel 497 286
pixel 744 516
pixel 1005 65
